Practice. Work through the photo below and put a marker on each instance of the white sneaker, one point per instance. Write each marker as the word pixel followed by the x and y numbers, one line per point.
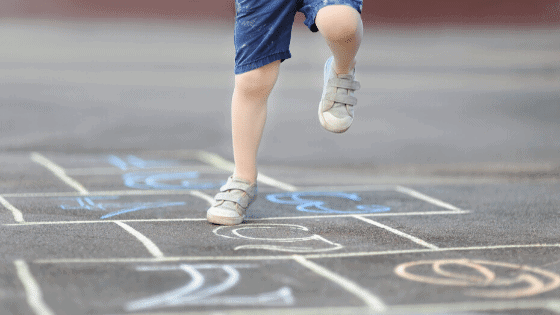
pixel 336 110
pixel 231 203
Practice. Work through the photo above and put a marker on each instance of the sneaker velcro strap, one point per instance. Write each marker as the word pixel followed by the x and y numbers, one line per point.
pixel 341 98
pixel 234 185
pixel 241 199
pixel 344 83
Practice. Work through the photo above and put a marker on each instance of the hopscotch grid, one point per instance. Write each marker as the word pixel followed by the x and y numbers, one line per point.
pixel 435 201
pixel 220 163
pixel 289 257
pixel 326 216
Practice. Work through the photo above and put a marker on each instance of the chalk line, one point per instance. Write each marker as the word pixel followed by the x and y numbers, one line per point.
pixel 384 214
pixel 285 257
pixel 215 160
pixel 327 216
pixel 351 310
pixel 550 264
pixel 413 251
pixel 441 308
pixel 366 187
pixel 421 196
pixel 58 172
pixel 105 221
pixel 399 233
pixel 150 246
pixel 554 306
pixel 221 163
pixel 200 194
pixel 32 289
pixel 436 308
pixel 374 303
pixel 102 193
pixel 153 259
pixel 275 183
pixel 18 216
pixel 117 171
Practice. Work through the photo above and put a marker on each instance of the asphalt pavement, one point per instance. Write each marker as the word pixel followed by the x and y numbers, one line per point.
pixel 443 197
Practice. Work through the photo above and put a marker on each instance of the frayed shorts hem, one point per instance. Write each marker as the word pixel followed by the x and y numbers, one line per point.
pixel 239 69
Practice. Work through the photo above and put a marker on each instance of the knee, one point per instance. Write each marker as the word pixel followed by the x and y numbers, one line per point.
pixel 339 22
pixel 258 82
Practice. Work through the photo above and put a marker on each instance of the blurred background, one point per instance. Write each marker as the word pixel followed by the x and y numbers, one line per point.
pixel 448 87
pixel 376 12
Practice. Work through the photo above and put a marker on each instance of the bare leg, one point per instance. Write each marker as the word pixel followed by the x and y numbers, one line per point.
pixel 342 28
pixel 248 116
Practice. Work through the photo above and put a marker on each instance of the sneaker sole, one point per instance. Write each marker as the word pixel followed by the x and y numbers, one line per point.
pixel 223 220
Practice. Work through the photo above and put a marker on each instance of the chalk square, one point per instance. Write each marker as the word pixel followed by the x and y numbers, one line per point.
pixel 332 203
pixel 413 282
pixel 185 286
pixel 109 207
pixel 270 238
pixel 31 242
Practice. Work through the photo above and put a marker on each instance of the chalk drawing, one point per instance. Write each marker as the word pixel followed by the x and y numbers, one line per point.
pixel 163 181
pixel 301 241
pixel 93 204
pixel 318 206
pixel 134 162
pixel 197 292
pixel 521 280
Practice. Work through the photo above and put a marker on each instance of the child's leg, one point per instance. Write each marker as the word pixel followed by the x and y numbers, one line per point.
pixel 262 39
pixel 248 115
pixel 342 28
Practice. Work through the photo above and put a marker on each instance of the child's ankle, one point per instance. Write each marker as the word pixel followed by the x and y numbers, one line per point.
pixel 344 71
pixel 250 179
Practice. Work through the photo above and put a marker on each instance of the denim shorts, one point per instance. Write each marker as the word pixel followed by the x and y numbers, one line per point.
pixel 263 28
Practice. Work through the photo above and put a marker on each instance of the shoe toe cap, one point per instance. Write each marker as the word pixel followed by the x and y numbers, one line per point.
pixel 337 124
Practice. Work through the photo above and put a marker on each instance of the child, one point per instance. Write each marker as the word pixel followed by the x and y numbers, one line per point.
pixel 262 37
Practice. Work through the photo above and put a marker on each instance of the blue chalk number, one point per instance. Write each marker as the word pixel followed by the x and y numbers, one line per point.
pixel 148 180
pixel 317 206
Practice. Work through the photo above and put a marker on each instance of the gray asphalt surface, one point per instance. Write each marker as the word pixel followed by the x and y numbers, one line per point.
pixel 443 197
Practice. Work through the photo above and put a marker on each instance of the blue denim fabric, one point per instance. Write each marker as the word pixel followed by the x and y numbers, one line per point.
pixel 263 28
